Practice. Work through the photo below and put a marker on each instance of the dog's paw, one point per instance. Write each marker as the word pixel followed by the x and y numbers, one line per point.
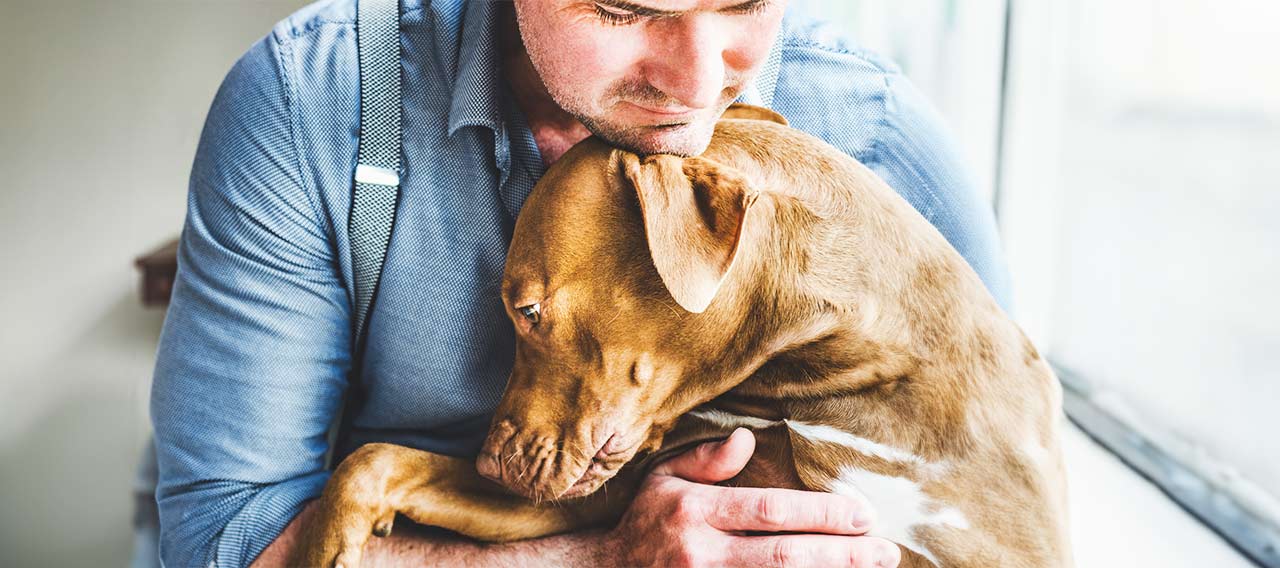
pixel 352 507
pixel 337 531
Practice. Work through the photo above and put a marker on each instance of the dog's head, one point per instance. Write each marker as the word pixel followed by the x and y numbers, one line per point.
pixel 620 283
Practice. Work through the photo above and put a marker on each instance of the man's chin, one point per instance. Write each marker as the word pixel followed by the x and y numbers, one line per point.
pixel 686 140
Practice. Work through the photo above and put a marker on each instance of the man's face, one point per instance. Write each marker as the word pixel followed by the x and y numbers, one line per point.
pixel 650 76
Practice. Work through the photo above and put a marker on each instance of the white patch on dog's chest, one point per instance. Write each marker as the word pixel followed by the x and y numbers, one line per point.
pixel 901 507
pixel 822 433
pixel 814 432
pixel 731 421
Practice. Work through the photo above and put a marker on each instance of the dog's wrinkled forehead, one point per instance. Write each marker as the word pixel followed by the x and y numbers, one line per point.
pixel 578 220
pixel 601 213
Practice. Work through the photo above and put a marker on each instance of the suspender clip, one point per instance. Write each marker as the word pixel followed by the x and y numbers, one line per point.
pixel 377 175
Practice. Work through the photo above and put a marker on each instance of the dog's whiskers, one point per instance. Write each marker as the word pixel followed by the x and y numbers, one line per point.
pixel 669 307
pixel 615 316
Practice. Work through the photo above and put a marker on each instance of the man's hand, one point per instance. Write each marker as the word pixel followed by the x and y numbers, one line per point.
pixel 678 519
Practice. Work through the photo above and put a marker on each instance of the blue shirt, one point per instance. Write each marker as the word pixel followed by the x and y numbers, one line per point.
pixel 255 353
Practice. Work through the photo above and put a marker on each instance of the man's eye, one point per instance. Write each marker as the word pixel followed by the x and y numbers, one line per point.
pixel 531 312
pixel 750 8
pixel 614 16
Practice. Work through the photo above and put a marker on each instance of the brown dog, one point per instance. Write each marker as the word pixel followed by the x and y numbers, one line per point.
pixel 774 283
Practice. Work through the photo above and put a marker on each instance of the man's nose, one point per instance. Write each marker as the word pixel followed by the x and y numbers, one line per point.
pixel 687 62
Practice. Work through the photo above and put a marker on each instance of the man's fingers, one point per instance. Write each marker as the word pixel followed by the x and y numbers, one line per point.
pixel 813 550
pixel 789 510
pixel 712 462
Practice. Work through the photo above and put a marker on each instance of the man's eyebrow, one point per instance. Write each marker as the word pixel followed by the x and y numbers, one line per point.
pixel 651 12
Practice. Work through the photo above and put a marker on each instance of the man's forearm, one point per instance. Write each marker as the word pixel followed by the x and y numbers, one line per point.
pixel 411 546
pixel 415 548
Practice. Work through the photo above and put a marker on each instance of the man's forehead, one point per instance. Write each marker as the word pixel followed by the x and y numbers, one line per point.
pixel 667 8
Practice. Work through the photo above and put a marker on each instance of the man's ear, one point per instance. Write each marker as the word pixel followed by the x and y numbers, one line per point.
pixel 752 112
pixel 694 210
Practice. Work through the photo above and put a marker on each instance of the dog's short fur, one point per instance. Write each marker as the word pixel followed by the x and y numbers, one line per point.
pixel 773 283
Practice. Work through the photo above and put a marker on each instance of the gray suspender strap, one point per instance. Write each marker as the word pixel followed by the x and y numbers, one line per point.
pixel 376 182
pixel 377 176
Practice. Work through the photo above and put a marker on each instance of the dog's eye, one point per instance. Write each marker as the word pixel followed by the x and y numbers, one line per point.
pixel 531 312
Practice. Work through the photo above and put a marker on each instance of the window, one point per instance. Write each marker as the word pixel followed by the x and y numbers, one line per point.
pixel 1132 153
pixel 1140 187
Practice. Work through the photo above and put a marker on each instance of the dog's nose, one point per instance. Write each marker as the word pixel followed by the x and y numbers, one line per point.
pixel 488 463
pixel 487 466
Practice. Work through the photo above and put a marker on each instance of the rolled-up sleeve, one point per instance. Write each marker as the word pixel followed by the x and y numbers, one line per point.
pixel 253 357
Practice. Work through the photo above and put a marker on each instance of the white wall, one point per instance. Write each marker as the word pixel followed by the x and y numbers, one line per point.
pixel 1198 54
pixel 101 103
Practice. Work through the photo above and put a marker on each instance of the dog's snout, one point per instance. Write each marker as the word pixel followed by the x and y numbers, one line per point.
pixel 528 462
pixel 540 466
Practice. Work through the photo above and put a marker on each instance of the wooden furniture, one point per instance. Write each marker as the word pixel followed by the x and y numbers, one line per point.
pixel 158 269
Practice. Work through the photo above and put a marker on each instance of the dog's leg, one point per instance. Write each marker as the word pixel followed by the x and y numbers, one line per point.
pixel 378 481
pixel 468 504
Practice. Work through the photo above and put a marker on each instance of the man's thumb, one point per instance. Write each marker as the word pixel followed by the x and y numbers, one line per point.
pixel 712 462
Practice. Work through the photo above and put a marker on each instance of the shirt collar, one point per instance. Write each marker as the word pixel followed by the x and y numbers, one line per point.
pixel 477 86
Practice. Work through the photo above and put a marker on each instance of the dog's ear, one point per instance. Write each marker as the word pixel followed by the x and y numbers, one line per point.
pixel 694 210
pixel 752 112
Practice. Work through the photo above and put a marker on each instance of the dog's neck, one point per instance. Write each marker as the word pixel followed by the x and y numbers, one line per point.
pixel 841 289
pixel 820 322
pixel 814 333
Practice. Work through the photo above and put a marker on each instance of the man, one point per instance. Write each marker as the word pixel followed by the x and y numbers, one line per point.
pixel 256 350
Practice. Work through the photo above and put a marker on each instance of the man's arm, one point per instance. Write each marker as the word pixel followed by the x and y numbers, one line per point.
pixel 411 546
pixel 252 360
pixel 678 518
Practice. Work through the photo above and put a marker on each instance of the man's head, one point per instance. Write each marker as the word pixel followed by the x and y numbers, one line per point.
pixel 650 76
